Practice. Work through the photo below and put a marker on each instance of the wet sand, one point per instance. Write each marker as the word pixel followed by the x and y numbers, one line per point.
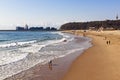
pixel 100 62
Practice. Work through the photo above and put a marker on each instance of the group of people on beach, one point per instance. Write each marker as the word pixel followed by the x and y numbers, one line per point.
pixel 108 42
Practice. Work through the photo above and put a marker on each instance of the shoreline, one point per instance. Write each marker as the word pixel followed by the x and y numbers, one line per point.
pixel 43 72
pixel 38 72
pixel 100 62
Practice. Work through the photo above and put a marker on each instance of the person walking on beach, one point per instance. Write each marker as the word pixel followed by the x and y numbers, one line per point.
pixel 107 42
pixel 50 64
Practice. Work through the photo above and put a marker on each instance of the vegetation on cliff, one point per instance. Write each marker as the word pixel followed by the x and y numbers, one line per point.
pixel 107 24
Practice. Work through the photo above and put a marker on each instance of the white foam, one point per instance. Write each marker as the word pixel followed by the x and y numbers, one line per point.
pixel 24 43
pixel 9 57
pixel 32 49
pixel 14 44
pixel 36 47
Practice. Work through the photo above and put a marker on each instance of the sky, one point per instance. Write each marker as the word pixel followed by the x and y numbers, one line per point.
pixel 55 12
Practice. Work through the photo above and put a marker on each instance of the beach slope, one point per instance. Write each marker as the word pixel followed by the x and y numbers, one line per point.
pixel 100 62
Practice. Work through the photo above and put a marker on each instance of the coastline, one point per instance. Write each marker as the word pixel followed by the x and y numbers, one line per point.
pixel 100 62
pixel 42 72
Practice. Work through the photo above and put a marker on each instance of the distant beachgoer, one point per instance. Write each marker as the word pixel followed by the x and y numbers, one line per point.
pixel 50 64
pixel 65 41
pixel 107 42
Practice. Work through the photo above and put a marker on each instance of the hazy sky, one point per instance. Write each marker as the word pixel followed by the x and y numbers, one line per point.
pixel 55 12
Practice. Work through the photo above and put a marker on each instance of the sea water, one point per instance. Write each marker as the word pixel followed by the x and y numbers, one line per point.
pixel 20 51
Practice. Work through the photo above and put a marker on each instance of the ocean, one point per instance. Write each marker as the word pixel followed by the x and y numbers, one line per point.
pixel 20 51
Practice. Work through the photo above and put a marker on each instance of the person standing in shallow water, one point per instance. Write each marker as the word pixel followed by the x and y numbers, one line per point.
pixel 50 64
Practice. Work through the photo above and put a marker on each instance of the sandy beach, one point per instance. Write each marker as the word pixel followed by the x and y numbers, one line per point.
pixel 100 62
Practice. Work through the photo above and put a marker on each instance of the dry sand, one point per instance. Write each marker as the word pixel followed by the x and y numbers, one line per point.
pixel 100 62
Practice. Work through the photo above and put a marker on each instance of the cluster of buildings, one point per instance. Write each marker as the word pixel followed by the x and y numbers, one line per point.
pixel 19 28
pixel 27 28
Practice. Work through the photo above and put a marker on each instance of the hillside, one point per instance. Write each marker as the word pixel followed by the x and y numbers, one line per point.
pixel 107 24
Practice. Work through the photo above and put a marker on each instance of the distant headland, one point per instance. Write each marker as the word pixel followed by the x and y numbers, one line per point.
pixel 92 25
